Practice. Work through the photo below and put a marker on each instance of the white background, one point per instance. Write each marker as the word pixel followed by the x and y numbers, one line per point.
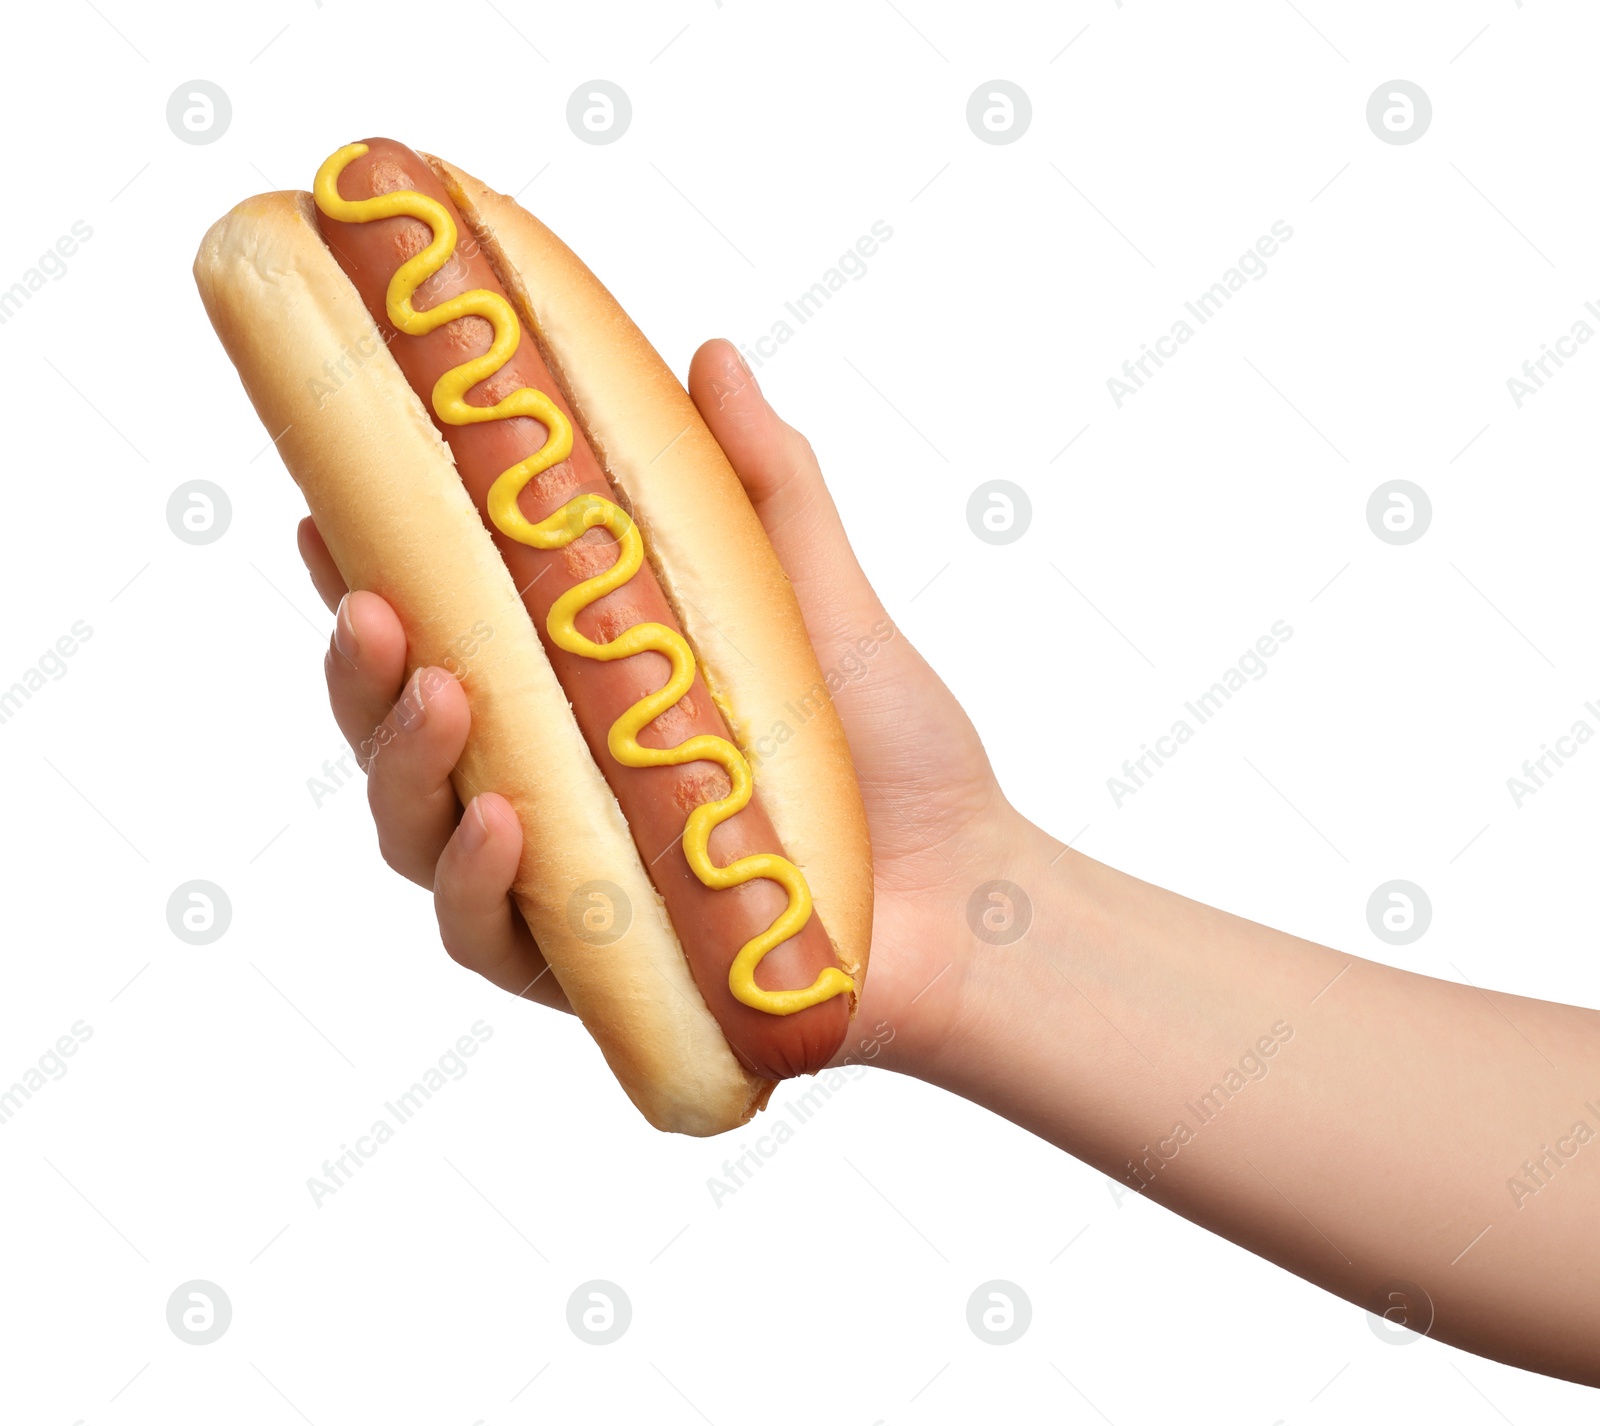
pixel 1226 495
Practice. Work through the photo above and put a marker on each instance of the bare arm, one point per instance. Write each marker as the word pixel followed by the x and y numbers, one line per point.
pixel 1422 1148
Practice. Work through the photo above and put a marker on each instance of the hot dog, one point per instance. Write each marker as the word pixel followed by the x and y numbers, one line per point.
pixel 649 627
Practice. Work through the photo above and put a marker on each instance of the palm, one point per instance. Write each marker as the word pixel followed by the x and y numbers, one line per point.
pixel 921 810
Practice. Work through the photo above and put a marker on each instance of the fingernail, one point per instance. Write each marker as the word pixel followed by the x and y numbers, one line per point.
pixel 344 632
pixel 474 830
pixel 412 709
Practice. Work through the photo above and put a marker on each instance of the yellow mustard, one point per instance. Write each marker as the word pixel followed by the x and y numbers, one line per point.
pixel 582 513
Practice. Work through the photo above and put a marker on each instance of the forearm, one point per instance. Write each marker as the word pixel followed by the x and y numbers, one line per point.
pixel 1357 1124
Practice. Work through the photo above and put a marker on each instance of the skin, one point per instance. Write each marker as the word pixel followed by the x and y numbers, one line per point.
pixel 1359 1125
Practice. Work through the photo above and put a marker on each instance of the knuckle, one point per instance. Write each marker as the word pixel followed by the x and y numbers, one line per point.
pixel 391 854
pixel 380 770
pixel 458 945
pixel 392 847
pixel 804 453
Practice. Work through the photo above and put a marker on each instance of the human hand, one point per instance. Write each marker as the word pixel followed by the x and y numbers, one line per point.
pixel 938 821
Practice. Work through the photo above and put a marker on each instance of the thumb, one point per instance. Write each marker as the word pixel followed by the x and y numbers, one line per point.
pixel 780 474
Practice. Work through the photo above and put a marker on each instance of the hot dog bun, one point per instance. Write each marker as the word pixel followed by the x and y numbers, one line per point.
pixel 387 498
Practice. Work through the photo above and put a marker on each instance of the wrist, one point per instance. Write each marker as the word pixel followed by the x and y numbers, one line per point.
pixel 1005 896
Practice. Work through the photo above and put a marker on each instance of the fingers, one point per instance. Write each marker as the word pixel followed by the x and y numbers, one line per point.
pixel 479 925
pixel 365 665
pixel 780 473
pixel 414 751
pixel 408 740
pixel 324 572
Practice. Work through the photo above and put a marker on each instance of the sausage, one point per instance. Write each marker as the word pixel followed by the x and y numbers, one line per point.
pixel 711 925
